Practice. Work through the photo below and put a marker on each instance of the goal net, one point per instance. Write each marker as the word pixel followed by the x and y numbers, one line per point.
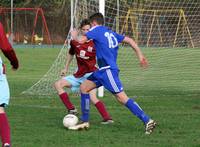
pixel 167 31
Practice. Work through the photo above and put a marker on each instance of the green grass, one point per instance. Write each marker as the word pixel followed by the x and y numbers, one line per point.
pixel 168 91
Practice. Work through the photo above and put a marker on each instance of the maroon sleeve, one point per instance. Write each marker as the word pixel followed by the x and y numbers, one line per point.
pixel 72 48
pixel 7 48
pixel 12 58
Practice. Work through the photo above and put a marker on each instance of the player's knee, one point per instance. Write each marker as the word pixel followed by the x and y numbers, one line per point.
pixel 57 85
pixel 83 88
pixel 122 98
pixel 94 100
pixel 2 110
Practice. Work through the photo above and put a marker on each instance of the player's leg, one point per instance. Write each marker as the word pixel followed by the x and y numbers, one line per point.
pixel 132 106
pixel 136 110
pixel 59 86
pixel 85 87
pixel 112 82
pixel 100 107
pixel 4 128
pixel 4 99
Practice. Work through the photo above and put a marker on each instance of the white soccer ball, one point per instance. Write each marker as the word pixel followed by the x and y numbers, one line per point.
pixel 70 120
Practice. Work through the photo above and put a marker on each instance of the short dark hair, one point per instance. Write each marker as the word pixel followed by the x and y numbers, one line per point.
pixel 84 22
pixel 98 17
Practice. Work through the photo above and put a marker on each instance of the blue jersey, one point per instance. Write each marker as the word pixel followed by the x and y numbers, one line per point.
pixel 106 43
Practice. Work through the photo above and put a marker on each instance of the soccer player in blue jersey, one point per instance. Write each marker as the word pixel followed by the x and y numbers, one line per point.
pixel 106 43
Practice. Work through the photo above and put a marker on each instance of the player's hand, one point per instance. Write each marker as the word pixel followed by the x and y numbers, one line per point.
pixel 63 72
pixel 14 69
pixel 66 42
pixel 74 34
pixel 144 62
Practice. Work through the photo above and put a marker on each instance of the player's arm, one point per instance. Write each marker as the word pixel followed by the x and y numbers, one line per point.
pixel 69 59
pixel 141 57
pixel 7 49
pixel 68 62
pixel 82 39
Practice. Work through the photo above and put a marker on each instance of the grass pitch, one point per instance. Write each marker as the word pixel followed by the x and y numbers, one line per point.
pixel 168 91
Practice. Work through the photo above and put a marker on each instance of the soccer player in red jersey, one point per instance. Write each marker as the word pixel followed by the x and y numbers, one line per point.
pixel 86 61
pixel 4 88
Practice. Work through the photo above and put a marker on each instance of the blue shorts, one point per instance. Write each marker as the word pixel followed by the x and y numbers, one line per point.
pixel 109 78
pixel 4 88
pixel 76 82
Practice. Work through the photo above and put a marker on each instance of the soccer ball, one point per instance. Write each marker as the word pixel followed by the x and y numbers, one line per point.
pixel 70 120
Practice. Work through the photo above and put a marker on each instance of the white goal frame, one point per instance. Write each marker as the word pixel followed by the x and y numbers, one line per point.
pixel 101 10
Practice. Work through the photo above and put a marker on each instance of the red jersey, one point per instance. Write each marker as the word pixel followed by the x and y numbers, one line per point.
pixel 7 48
pixel 85 57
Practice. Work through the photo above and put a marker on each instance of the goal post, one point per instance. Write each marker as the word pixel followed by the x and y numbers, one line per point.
pixel 101 10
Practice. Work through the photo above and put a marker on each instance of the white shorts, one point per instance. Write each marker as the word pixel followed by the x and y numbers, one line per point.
pixel 4 88
pixel 76 82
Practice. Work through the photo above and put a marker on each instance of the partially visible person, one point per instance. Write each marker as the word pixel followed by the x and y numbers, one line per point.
pixel 8 51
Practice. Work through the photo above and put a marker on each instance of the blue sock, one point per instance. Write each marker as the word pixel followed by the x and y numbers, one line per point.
pixel 136 110
pixel 85 107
